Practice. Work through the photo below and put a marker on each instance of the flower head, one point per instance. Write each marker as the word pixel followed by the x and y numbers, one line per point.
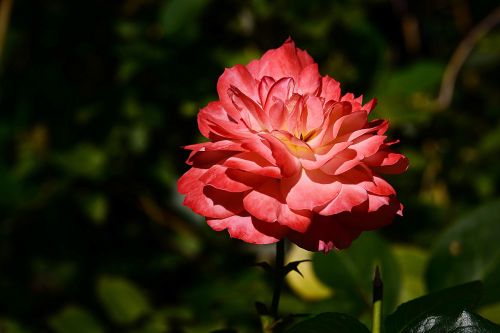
pixel 290 156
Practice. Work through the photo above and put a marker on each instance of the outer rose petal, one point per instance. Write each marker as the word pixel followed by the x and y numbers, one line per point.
pixel 388 162
pixel 206 200
pixel 218 177
pixel 285 61
pixel 240 77
pixel 365 219
pixel 309 80
pixel 310 189
pixel 349 197
pixel 215 121
pixel 330 89
pixel 252 163
pixel 325 234
pixel 249 229
pixel 266 203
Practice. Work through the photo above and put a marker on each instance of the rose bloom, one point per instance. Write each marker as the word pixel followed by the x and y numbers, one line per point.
pixel 290 156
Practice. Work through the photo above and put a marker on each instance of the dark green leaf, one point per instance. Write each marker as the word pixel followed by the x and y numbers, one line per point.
pixel 461 322
pixel 469 251
pixel 331 322
pixel 447 301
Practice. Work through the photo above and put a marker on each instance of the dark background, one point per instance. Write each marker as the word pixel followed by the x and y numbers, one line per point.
pixel 97 97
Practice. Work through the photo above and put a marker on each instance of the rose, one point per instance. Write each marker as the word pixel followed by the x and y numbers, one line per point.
pixel 289 156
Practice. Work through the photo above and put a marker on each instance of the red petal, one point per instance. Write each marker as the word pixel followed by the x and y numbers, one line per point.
pixel 218 177
pixel 314 115
pixel 288 164
pixel 282 90
pixel 285 61
pixel 237 76
pixel 310 189
pixel 325 233
pixel 214 120
pixel 206 200
pixel 387 162
pixel 349 197
pixel 249 229
pixel 252 163
pixel 266 203
pixel 379 187
pixel 309 80
pixel 250 112
pixel 341 162
pixel 367 145
pixel 330 89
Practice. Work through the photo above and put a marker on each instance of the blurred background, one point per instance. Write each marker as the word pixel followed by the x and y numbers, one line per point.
pixel 97 97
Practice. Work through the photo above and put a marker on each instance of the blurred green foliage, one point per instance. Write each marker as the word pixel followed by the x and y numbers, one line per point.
pixel 96 99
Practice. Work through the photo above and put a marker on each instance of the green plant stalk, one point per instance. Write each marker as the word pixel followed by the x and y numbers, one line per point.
pixel 378 291
pixel 278 277
pixel 377 317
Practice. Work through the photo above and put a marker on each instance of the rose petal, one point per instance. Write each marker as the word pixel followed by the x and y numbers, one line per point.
pixel 237 76
pixel 266 203
pixel 285 61
pixel 252 163
pixel 387 162
pixel 367 145
pixel 249 229
pixel 218 177
pixel 206 200
pixel 264 86
pixel 288 164
pixel 349 197
pixel 282 90
pixel 310 189
pixel 251 113
pixel 341 162
pixel 330 89
pixel 309 80
pixel 325 234
pixel 215 120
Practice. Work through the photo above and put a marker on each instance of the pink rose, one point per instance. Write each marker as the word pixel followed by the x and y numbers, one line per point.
pixel 290 156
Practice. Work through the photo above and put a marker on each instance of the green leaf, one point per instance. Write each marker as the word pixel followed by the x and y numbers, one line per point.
pixel 447 301
pixel 73 319
pixel 330 322
pixel 123 301
pixel 469 251
pixel 350 271
pixel 461 322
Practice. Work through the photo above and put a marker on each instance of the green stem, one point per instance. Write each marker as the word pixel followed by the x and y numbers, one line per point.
pixel 378 291
pixel 278 277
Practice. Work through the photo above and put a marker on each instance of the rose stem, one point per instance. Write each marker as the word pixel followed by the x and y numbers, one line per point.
pixel 278 276
pixel 378 291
